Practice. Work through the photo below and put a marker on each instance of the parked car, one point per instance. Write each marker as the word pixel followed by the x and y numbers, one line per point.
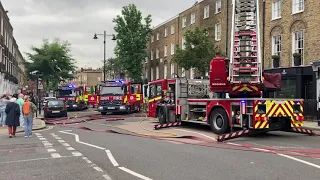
pixel 55 108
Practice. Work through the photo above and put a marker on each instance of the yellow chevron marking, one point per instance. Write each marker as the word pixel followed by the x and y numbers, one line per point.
pixel 125 99
pixel 138 97
pixel 235 88
pixel 244 88
pixel 254 88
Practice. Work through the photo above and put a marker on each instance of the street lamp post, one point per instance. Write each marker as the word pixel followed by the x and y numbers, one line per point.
pixel 104 49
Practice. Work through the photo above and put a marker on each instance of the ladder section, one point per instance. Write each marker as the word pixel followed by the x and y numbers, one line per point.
pixel 245 64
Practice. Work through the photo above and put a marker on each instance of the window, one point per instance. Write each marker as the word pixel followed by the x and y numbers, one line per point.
pixel 193 18
pixel 146 71
pixel 2 26
pixel 298 43
pixel 157 72
pixel 151 74
pixel 158 36
pixel 166 32
pixel 152 38
pixel 183 46
pixel 192 73
pixel 206 12
pixel 157 53
pixel 183 72
pixel 172 69
pixel 172 48
pixel 276 9
pixel 151 55
pixel 218 32
pixel 218 6
pixel 297 6
pixel 276 45
pixel 155 90
pixel 184 21
pixel 165 71
pixel 165 51
pixel 172 29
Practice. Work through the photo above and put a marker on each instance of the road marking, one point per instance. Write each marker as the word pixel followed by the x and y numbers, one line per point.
pixel 111 158
pixel 92 145
pixel 58 138
pixel 42 139
pixel 70 148
pixel 37 134
pixel 76 153
pixel 26 160
pixel 107 177
pixel 61 141
pixel 197 133
pixel 47 144
pixel 87 160
pixel 51 150
pixel 134 173
pixel 66 144
pixel 40 136
pixel 98 169
pixel 235 144
pixel 299 160
pixel 259 149
pixel 55 155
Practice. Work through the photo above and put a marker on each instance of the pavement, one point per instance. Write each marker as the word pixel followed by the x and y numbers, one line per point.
pixel 67 152
pixel 312 125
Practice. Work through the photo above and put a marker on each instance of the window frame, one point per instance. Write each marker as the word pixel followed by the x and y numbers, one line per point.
pixel 206 12
pixel 218 6
pixel 217 30
pixel 276 8
pixel 193 18
pixel 295 45
pixel 296 6
pixel 184 22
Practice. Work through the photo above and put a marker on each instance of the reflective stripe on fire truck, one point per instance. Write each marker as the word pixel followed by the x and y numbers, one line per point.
pixel 86 98
pixel 155 99
pixel 278 108
pixel 138 97
pixel 245 87
pixel 125 99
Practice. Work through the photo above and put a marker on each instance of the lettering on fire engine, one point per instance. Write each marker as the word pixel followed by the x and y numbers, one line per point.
pixel 218 84
pixel 112 98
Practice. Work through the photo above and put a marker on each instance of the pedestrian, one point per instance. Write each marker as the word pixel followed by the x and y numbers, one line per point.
pixel 3 103
pixel 20 102
pixel 28 110
pixel 12 119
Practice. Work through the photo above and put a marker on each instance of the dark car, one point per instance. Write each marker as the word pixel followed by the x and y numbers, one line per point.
pixel 55 108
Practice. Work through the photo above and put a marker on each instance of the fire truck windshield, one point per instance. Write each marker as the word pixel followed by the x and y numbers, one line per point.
pixel 66 93
pixel 112 90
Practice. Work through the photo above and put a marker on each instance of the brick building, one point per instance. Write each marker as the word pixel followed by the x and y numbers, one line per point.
pixel 88 76
pixel 283 31
pixel 12 78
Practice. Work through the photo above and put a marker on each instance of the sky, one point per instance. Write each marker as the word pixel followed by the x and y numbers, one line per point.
pixel 77 20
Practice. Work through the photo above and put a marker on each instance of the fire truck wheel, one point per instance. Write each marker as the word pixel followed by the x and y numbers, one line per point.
pixel 219 121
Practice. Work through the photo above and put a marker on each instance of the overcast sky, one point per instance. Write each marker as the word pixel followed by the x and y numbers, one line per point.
pixel 77 21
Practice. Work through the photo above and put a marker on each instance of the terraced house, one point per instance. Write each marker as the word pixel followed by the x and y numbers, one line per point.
pixel 12 78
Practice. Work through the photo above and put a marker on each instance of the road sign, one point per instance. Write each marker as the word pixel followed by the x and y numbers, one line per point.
pixel 40 85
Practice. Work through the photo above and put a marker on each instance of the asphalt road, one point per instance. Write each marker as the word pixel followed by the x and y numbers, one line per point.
pixel 71 153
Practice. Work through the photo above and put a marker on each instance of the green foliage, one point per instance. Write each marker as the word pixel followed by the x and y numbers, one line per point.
pixel 132 38
pixel 52 60
pixel 113 66
pixel 198 52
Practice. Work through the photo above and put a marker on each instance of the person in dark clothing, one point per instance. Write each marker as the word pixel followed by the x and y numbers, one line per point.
pixel 32 99
pixel 13 114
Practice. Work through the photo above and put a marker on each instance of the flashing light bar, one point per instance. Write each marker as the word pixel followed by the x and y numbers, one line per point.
pixel 113 81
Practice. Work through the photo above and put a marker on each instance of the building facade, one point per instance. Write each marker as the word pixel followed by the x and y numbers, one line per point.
pixel 12 77
pixel 283 31
pixel 88 76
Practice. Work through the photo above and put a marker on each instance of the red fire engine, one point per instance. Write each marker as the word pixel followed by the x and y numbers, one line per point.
pixel 73 96
pixel 90 95
pixel 119 96
pixel 204 101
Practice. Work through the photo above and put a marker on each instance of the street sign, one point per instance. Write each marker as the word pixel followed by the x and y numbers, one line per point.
pixel 40 85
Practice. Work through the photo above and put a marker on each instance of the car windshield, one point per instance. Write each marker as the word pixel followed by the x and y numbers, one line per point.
pixel 66 92
pixel 49 98
pixel 55 103
pixel 112 90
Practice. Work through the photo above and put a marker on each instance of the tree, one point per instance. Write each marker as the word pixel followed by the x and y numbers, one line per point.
pixel 52 60
pixel 113 66
pixel 132 38
pixel 198 51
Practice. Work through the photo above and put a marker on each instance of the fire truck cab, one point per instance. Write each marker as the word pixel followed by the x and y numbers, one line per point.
pixel 73 96
pixel 90 95
pixel 119 96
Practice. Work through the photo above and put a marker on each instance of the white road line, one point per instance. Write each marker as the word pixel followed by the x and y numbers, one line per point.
pixel 111 158
pixel 26 160
pixel 66 144
pixel 51 150
pixel 107 177
pixel 38 134
pixel 196 133
pixel 58 138
pixel 42 139
pixel 76 153
pixel 98 169
pixel 299 160
pixel 70 148
pixel 134 173
pixel 87 160
pixel 259 149
pixel 55 155
pixel 47 144
pixel 92 145
pixel 61 141
pixel 235 144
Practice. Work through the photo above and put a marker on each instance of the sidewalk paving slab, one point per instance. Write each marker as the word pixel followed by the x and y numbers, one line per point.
pixel 38 124
pixel 313 125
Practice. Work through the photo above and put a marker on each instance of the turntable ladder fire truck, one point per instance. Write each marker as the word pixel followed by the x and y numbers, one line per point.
pixel 245 112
